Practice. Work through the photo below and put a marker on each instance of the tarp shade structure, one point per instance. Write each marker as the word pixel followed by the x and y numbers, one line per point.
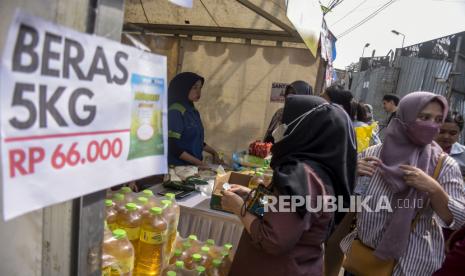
pixel 248 19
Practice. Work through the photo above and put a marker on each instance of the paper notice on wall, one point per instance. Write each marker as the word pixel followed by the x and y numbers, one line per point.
pixel 277 92
pixel 79 113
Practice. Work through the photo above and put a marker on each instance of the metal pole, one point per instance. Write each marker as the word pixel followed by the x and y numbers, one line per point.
pixel 106 19
pixel 403 39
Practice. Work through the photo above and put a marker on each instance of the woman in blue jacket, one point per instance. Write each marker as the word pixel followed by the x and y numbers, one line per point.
pixel 185 129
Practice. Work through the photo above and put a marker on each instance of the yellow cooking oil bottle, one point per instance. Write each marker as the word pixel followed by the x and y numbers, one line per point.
pixel 111 214
pixel 123 252
pixel 174 227
pixel 130 220
pixel 108 260
pixel 170 217
pixel 152 241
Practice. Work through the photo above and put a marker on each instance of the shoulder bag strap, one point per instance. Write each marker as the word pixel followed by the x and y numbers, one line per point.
pixel 437 171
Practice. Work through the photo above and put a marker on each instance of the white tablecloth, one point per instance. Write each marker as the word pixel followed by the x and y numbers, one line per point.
pixel 197 218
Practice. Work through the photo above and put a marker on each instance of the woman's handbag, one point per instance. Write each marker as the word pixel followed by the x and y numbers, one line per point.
pixel 360 259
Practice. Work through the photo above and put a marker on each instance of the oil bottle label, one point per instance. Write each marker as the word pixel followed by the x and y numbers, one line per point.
pixel 133 233
pixel 153 237
pixel 106 271
pixel 125 266
pixel 112 226
pixel 172 227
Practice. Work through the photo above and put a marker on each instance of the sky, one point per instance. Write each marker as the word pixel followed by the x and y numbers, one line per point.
pixel 419 20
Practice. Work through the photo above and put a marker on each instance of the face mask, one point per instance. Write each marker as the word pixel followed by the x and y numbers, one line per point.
pixel 422 133
pixel 279 132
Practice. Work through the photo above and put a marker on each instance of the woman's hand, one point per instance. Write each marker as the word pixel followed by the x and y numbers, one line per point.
pixel 216 158
pixel 231 202
pixel 242 191
pixel 367 166
pixel 421 181
pixel 418 179
pixel 203 166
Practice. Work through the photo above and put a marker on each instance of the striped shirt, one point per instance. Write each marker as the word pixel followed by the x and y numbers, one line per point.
pixel 425 251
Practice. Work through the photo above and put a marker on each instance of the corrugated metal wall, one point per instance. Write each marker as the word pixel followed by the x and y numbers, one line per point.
pixel 419 74
pixel 370 86
pixel 410 74
pixel 459 80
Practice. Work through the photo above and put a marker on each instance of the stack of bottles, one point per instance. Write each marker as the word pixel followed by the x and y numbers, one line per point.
pixel 194 257
pixel 141 239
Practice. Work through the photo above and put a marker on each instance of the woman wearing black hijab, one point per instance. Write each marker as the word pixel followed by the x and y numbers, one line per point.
pixel 296 88
pixel 308 162
pixel 185 129
pixel 336 94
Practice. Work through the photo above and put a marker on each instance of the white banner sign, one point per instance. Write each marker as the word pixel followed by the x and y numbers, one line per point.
pixel 307 17
pixel 183 3
pixel 79 113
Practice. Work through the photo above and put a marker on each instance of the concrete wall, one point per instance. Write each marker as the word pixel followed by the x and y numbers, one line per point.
pixel 235 104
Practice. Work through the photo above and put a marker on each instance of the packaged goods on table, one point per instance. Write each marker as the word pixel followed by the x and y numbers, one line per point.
pixel 158 249
pixel 260 149
pixel 189 181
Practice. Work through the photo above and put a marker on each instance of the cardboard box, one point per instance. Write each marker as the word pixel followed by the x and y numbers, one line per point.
pixel 231 178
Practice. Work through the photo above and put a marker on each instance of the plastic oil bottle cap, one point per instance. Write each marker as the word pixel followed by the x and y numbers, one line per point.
pixel 205 249
pixel 142 199
pixel 216 262
pixel 108 202
pixel 131 206
pixel 118 197
pixel 200 269
pixel 126 190
pixel 177 252
pixel 211 242
pixel 166 203
pixel 171 273
pixel 228 246
pixel 179 264
pixel 156 210
pixel 192 237
pixel 119 234
pixel 170 196
pixel 197 257
pixel 186 245
pixel 147 193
